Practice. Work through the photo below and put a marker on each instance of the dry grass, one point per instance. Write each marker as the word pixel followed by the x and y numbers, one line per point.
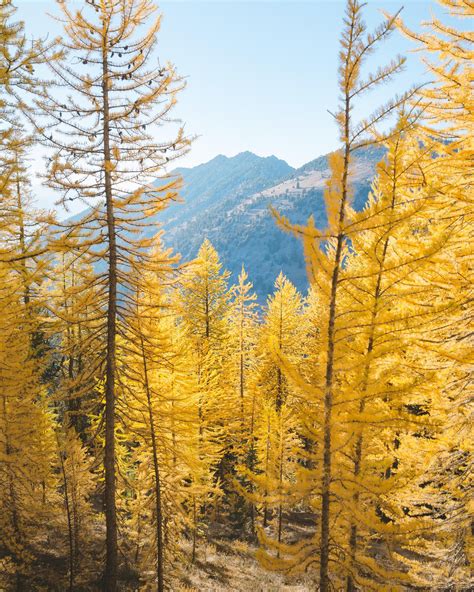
pixel 225 566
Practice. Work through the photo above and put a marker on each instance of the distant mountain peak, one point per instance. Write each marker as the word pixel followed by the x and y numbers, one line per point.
pixel 223 179
pixel 248 155
pixel 245 158
pixel 227 201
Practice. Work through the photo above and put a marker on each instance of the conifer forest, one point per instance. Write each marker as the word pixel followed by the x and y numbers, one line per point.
pixel 162 426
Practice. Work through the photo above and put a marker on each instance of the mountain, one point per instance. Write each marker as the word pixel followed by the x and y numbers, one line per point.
pixel 207 184
pixel 227 201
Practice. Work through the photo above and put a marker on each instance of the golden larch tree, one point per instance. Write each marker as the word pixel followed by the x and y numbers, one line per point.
pixel 104 154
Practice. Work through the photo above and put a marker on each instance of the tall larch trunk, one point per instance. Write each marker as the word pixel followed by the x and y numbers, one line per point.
pixel 22 238
pixel 70 528
pixel 251 463
pixel 329 377
pixel 366 373
pixel 267 464
pixel 110 583
pixel 280 486
pixel 279 403
pixel 156 477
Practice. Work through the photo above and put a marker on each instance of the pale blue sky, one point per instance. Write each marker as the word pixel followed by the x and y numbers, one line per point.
pixel 261 73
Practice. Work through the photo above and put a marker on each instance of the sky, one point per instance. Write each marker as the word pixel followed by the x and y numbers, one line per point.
pixel 261 74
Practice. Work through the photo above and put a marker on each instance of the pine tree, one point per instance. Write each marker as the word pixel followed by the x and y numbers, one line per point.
pixel 391 249
pixel 274 437
pixel 203 307
pixel 18 59
pixel 243 336
pixel 78 484
pixel 21 226
pixel 447 102
pixel 243 320
pixel 27 464
pixel 75 326
pixel 109 160
pixel 356 46
pixel 162 414
pixel 443 488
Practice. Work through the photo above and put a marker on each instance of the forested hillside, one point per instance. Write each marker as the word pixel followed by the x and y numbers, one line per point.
pixel 164 425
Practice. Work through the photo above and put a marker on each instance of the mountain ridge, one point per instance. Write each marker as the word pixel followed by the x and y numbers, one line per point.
pixel 238 221
pixel 227 200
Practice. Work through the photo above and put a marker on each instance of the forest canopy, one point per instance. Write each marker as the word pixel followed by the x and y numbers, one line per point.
pixel 153 412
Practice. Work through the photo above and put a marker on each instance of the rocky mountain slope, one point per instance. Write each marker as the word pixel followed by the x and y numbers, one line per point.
pixel 227 200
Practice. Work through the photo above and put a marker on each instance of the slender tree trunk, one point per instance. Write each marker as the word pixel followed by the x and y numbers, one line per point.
pixel 251 464
pixel 193 555
pixel 15 520
pixel 252 519
pixel 242 402
pixel 69 524
pixel 173 428
pixel 329 379
pixel 80 417
pixel 267 459
pixel 242 369
pixel 22 237
pixel 280 525
pixel 76 514
pixel 208 319
pixel 200 401
pixel 328 403
pixel 280 487
pixel 156 476
pixel 201 444
pixel 359 442
pixel 279 397
pixel 365 382
pixel 110 583
pixel 279 403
